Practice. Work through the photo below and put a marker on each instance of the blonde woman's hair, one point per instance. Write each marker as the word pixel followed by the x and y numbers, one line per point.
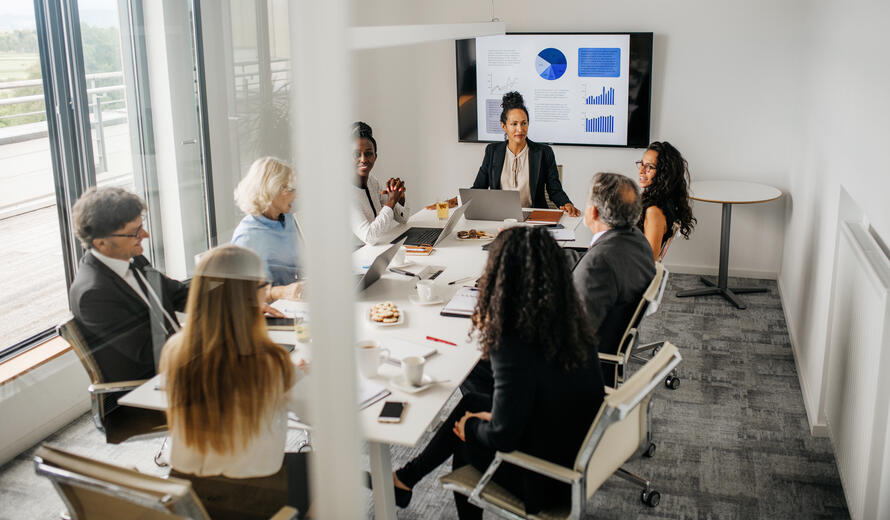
pixel 223 373
pixel 266 177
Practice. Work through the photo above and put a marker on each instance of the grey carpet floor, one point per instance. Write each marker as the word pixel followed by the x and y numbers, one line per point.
pixel 733 440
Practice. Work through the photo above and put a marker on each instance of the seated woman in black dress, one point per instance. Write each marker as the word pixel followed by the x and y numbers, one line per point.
pixel 664 178
pixel 547 382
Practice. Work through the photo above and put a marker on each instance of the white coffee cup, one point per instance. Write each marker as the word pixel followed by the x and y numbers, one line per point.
pixel 510 222
pixel 369 356
pixel 412 367
pixel 426 290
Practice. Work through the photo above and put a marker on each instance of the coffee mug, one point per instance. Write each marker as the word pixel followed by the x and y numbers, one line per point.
pixel 509 222
pixel 369 355
pixel 412 367
pixel 426 290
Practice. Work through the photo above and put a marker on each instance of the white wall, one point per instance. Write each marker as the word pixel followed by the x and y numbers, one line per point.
pixel 841 169
pixel 725 84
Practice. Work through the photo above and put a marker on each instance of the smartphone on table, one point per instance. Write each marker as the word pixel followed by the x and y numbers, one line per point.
pixel 392 412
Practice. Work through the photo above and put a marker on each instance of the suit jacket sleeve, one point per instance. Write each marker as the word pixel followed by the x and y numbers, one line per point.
pixel 513 400
pixel 483 179
pixel 595 283
pixel 551 178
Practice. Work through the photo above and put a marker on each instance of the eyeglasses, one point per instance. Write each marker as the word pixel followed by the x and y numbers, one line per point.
pixel 648 167
pixel 137 234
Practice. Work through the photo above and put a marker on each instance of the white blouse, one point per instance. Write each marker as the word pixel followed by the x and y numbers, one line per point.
pixel 514 175
pixel 263 454
pixel 365 225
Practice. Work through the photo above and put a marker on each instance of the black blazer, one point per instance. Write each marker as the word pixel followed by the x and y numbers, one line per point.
pixel 115 320
pixel 540 409
pixel 611 277
pixel 542 172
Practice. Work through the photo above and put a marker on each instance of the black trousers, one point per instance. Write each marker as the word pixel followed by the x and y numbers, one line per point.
pixel 255 498
pixel 445 444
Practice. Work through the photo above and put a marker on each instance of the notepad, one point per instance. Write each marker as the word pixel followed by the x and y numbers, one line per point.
pixel 561 235
pixel 400 349
pixel 369 392
pixel 543 216
pixel 462 304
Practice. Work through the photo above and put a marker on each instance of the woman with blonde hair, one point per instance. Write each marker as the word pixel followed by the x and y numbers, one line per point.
pixel 266 196
pixel 229 389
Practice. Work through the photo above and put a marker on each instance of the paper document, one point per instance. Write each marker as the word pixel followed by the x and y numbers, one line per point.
pixel 462 304
pixel 292 309
pixel 400 349
pixel 369 392
pixel 562 234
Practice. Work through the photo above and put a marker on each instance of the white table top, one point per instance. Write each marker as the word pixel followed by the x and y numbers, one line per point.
pixel 462 258
pixel 733 192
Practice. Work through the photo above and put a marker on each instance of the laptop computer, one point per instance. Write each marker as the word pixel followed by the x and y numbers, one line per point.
pixel 493 204
pixel 378 266
pixel 417 236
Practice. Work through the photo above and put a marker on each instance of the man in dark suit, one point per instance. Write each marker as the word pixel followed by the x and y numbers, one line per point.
pixel 116 296
pixel 612 275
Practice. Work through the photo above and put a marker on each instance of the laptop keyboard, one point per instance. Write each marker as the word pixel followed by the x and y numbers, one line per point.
pixel 421 236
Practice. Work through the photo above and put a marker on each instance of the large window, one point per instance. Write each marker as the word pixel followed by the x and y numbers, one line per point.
pixel 133 122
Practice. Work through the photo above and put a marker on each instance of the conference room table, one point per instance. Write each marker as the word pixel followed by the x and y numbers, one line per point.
pixel 450 364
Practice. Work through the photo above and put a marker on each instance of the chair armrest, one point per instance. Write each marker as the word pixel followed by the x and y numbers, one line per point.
pixel 611 358
pixel 117 386
pixel 541 466
pixel 285 513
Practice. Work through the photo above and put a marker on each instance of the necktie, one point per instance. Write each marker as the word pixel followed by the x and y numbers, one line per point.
pixel 157 310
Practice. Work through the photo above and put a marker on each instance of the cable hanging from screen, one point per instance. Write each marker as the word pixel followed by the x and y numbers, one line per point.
pixel 493 18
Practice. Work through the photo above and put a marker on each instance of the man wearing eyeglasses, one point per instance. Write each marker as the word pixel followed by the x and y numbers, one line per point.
pixel 112 297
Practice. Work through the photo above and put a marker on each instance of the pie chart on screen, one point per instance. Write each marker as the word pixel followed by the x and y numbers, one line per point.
pixel 550 64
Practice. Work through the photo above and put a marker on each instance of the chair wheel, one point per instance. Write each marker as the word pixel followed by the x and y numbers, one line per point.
pixel 672 382
pixel 650 451
pixel 651 498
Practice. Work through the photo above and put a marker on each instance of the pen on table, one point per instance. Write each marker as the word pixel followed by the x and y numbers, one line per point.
pixel 441 341
pixel 401 271
pixel 459 280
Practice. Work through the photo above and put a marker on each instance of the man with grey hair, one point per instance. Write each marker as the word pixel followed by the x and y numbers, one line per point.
pixel 614 272
pixel 116 294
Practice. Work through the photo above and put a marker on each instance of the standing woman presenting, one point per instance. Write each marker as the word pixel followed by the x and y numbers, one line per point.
pixel 378 208
pixel 521 164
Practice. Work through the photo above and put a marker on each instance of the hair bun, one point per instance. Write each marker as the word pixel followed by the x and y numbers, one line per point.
pixel 512 100
pixel 361 129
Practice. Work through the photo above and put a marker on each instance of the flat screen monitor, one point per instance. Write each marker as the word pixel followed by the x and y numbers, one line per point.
pixel 588 89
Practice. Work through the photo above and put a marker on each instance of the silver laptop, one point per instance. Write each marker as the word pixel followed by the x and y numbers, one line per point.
pixel 493 204
pixel 378 266
pixel 417 236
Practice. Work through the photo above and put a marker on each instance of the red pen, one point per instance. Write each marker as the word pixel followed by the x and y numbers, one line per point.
pixel 441 341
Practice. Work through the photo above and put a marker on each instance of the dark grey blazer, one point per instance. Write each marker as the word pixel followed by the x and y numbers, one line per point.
pixel 611 277
pixel 115 320
pixel 542 172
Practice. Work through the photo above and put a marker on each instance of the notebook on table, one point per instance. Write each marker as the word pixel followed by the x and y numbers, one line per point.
pixel 462 304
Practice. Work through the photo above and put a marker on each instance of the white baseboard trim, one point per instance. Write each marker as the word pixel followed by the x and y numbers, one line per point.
pixel 708 270
pixel 817 429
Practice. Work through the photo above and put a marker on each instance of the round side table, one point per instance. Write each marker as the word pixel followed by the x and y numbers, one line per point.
pixel 728 193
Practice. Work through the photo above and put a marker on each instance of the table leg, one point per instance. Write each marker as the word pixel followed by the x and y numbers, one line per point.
pixel 721 286
pixel 381 480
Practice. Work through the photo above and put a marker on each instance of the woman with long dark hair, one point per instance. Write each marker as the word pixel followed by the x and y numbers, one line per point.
pixel 664 178
pixel 547 382
pixel 520 164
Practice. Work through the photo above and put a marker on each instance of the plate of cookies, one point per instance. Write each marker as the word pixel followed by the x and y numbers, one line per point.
pixel 386 314
pixel 474 234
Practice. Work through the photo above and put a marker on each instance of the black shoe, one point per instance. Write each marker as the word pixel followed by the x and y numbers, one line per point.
pixel 403 496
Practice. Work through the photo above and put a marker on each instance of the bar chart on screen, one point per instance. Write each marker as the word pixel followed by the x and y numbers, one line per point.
pixel 602 124
pixel 605 98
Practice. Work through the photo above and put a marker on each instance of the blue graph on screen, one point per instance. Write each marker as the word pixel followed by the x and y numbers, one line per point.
pixel 606 98
pixel 602 124
pixel 551 64
pixel 599 62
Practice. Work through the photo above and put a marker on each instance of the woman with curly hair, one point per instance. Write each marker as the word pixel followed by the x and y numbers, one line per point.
pixel 547 382
pixel 664 178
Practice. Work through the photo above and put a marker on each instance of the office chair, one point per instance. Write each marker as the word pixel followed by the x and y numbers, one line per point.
pixel 99 491
pixel 122 422
pixel 667 243
pixel 618 433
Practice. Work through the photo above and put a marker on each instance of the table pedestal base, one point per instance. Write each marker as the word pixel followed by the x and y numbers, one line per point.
pixel 727 292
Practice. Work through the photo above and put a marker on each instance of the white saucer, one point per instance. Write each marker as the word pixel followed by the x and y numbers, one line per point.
pixel 417 301
pixel 400 384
